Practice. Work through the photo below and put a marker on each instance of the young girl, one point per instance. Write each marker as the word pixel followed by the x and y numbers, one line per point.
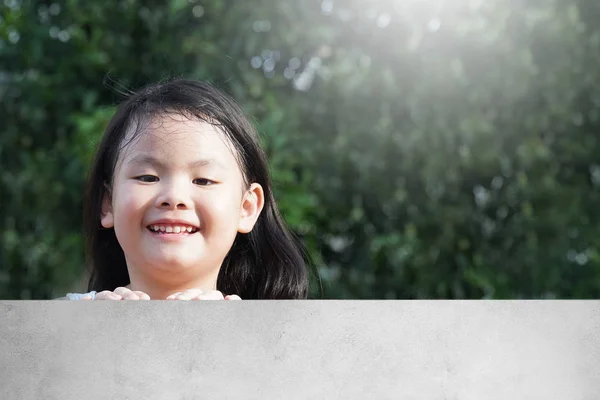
pixel 179 204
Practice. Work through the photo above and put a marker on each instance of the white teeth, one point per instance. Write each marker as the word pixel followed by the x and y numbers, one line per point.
pixel 172 229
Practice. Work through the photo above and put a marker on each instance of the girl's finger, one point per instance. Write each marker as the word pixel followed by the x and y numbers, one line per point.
pixel 233 297
pixel 107 295
pixel 121 291
pixel 130 296
pixel 212 295
pixel 126 293
pixel 186 294
pixel 173 296
pixel 141 295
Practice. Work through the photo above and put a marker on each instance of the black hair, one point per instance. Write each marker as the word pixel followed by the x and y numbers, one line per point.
pixel 267 263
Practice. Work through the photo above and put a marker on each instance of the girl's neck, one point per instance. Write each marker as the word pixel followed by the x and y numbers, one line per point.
pixel 160 291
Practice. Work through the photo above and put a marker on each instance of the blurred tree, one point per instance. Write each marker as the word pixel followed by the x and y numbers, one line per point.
pixel 459 155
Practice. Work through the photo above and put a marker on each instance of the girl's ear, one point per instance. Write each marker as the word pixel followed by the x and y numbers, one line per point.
pixel 106 215
pixel 252 205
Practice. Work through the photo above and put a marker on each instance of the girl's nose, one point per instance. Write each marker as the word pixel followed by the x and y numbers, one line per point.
pixel 174 199
pixel 174 205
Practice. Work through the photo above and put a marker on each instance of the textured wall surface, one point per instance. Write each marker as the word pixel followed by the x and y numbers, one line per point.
pixel 464 350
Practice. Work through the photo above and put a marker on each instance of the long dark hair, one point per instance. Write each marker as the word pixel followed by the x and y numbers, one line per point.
pixel 267 263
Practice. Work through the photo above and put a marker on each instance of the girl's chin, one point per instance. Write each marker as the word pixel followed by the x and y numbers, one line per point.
pixel 171 263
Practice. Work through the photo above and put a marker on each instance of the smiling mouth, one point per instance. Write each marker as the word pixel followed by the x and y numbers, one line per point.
pixel 172 229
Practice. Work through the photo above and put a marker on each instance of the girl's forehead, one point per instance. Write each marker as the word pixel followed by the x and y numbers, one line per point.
pixel 176 136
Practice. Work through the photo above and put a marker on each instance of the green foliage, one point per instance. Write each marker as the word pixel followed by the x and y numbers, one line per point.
pixel 421 149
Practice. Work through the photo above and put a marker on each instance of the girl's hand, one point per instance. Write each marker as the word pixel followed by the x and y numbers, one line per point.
pixel 120 293
pixel 197 294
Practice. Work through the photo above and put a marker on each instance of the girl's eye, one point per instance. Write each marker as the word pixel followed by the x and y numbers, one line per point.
pixel 202 182
pixel 147 178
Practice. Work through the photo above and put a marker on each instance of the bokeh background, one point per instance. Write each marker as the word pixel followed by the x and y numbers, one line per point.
pixel 421 149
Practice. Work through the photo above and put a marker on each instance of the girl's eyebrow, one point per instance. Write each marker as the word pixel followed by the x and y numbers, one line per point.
pixel 145 159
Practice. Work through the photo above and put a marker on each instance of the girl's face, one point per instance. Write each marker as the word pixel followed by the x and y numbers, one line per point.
pixel 178 200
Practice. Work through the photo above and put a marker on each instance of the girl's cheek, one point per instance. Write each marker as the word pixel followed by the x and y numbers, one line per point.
pixel 223 207
pixel 214 213
pixel 131 201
